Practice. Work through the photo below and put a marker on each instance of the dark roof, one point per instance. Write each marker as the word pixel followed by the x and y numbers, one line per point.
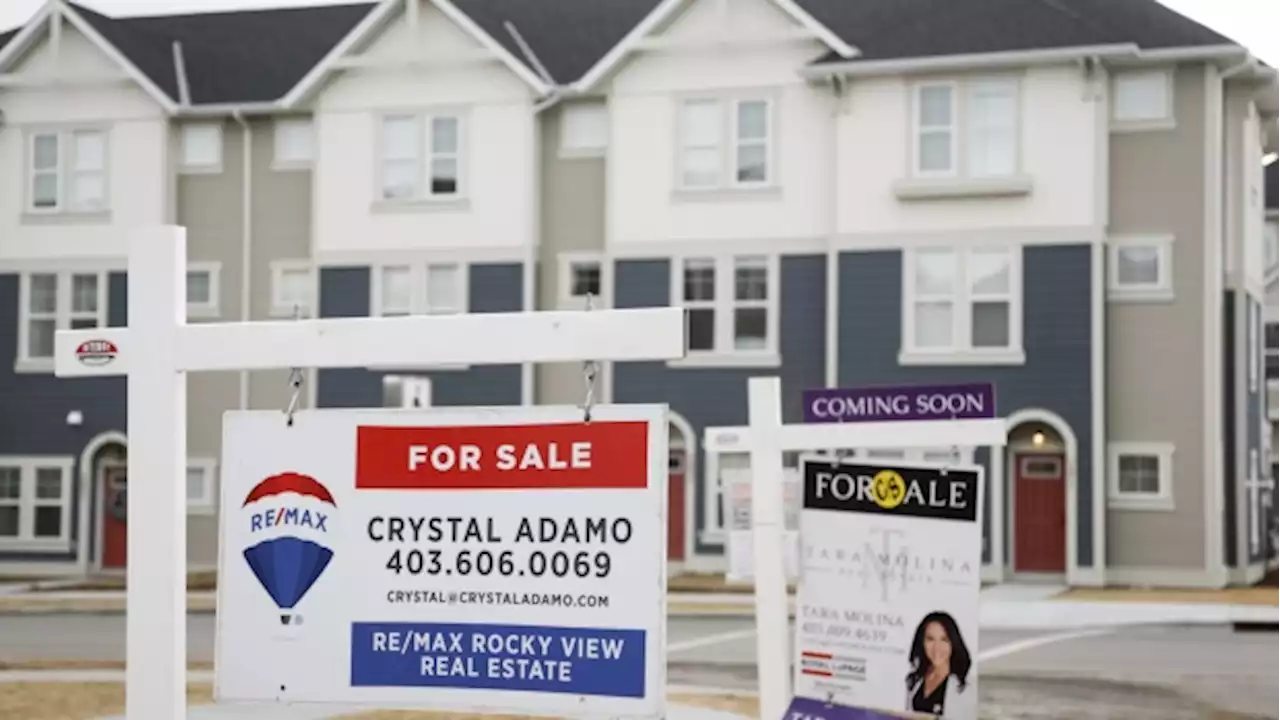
pixel 6 36
pixel 1270 184
pixel 892 29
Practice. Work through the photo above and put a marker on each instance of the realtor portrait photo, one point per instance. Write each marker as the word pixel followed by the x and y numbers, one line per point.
pixel 937 680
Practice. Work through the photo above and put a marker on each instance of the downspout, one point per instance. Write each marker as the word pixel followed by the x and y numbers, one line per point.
pixel 246 235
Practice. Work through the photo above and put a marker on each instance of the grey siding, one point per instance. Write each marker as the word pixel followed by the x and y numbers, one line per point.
pixel 1056 338
pixel 1253 442
pixel 345 292
pixel 712 397
pixel 1229 429
pixel 40 428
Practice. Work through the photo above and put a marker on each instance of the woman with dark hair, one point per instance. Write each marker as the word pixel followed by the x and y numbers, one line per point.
pixel 940 664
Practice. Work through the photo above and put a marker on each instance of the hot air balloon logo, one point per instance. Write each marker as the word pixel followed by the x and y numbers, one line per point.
pixel 290 516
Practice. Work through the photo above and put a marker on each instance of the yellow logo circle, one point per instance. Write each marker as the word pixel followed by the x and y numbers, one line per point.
pixel 888 489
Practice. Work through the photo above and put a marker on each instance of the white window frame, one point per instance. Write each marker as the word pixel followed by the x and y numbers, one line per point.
pixel 568 263
pixel 65 171
pixel 210 308
pixel 62 316
pixel 962 351
pixel 723 353
pixel 1162 500
pixel 206 502
pixel 727 146
pixel 418 278
pixel 579 122
pixel 424 155
pixel 1159 291
pixel 189 133
pixel 411 387
pixel 280 130
pixel 961 128
pixel 1164 121
pixel 736 142
pixel 280 305
pixel 27 503
pixel 917 129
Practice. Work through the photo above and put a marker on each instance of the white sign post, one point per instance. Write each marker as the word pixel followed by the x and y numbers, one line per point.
pixel 158 348
pixel 768 438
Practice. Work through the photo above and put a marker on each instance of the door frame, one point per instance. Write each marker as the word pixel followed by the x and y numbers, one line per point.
pixel 1012 453
pixel 99 498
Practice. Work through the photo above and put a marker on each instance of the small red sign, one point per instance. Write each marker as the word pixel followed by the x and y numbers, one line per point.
pixel 96 352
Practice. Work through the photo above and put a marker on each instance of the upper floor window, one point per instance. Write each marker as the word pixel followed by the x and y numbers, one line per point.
pixel 584 130
pixel 962 305
pixel 292 283
pixel 202 474
pixel 203 279
pixel 1142 99
pixel 725 144
pixel 581 276
pixel 1140 268
pixel 35 503
pixel 732 305
pixel 67 172
pixel 293 141
pixel 202 148
pixel 431 289
pixel 52 301
pixel 421 157
pixel 976 138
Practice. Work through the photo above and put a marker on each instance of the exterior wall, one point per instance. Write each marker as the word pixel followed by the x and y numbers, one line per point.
pixel 1155 347
pixel 345 292
pixel 712 397
pixel 1057 339
pixel 498 141
pixel 572 220
pixel 644 97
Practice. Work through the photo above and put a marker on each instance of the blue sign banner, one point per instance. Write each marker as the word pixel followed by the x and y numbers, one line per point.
pixel 807 709
pixel 576 661
pixel 970 401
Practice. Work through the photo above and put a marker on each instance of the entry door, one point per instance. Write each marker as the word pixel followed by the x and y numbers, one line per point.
pixel 115 484
pixel 677 463
pixel 1040 514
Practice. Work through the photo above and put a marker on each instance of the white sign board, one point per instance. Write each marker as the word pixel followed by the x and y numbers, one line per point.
pixel 887 609
pixel 737 513
pixel 479 559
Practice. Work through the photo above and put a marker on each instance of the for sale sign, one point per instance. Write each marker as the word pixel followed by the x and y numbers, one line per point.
pixel 510 560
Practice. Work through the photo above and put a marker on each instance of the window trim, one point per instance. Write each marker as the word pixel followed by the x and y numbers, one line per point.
pixel 418 276
pixel 1162 500
pixel 185 166
pixel 564 280
pixel 210 309
pixel 282 125
pixel 1162 290
pixel 1167 121
pixel 568 150
pixel 65 139
pixel 404 381
pixel 917 90
pixel 207 503
pixel 724 355
pixel 963 353
pixel 24 363
pixel 280 308
pixel 422 196
pixel 770 141
pixel 727 144
pixel 27 503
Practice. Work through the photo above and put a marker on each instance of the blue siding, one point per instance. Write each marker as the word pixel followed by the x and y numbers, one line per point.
pixel 713 397
pixel 39 402
pixel 345 292
pixel 1056 338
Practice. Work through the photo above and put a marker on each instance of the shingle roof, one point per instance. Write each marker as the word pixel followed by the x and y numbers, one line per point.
pixel 6 36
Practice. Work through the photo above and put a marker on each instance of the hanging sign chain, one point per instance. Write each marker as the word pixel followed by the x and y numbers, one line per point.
pixel 295 382
pixel 590 371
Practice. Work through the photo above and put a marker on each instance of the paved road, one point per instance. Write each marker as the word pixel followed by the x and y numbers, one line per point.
pixel 1232 671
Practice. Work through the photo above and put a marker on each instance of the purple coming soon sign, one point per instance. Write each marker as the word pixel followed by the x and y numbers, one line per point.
pixel 970 401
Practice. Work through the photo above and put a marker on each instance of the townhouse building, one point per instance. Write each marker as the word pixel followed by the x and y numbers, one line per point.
pixel 839 194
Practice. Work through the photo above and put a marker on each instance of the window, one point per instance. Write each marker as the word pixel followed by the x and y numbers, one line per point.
pixel 962 304
pixel 432 289
pixel 291 288
pixel 202 289
pixel 201 486
pixel 35 503
pixel 1142 99
pixel 732 307
pixel 981 142
pixel 584 130
pixel 1140 476
pixel 581 275
pixel 1272 334
pixel 406 391
pixel 1139 268
pixel 421 157
pixel 202 148
pixel 293 144
pixel 68 172
pixel 1255 352
pixel 51 301
pixel 706 162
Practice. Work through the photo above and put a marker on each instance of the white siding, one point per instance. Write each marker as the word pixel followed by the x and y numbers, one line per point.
pixel 136 158
pixel 498 140
pixel 1059 132
pixel 643 99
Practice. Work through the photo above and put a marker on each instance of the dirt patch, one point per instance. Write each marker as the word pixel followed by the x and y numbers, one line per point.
pixel 201 581
pixel 37 603
pixel 74 701
pixel 1257 596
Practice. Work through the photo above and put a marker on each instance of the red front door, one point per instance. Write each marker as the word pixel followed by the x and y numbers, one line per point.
pixel 676 464
pixel 1040 513
pixel 115 483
